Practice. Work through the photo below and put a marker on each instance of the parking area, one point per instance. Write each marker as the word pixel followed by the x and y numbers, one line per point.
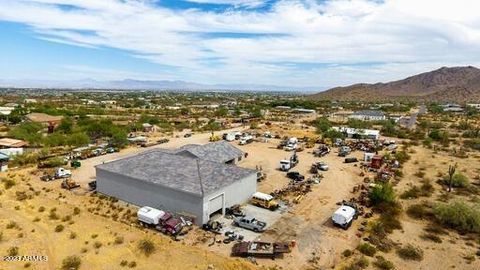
pixel 262 214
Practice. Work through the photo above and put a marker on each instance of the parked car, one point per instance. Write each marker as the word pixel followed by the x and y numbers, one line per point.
pixel 250 223
pixel 351 160
pixel 188 135
pixel 296 176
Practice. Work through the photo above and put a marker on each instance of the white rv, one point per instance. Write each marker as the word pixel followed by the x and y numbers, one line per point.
pixel 344 216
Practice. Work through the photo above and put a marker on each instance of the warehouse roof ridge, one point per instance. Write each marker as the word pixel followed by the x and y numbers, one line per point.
pixel 217 151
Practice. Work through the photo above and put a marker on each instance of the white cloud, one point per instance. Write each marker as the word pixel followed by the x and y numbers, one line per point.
pixel 237 3
pixel 306 42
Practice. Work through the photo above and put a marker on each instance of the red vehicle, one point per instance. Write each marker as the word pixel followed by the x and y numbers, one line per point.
pixel 172 226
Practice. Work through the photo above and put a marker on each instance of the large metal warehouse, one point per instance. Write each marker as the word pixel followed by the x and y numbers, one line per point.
pixel 195 180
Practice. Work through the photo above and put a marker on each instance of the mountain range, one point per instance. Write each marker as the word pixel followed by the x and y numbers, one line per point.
pixel 130 84
pixel 447 84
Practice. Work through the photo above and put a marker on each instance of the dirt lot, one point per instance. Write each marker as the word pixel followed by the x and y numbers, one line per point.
pixel 30 225
pixel 318 244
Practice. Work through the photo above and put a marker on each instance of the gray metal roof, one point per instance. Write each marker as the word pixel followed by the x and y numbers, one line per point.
pixel 217 151
pixel 369 113
pixel 176 171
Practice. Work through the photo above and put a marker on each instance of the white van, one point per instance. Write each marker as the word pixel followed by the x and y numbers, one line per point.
pixel 344 216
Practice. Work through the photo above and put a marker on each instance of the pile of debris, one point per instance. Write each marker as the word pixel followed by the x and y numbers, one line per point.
pixel 294 192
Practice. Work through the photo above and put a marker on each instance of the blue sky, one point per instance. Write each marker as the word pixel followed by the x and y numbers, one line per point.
pixel 282 42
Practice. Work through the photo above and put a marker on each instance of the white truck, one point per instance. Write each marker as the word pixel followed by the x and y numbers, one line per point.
pixel 287 164
pixel 344 216
pixel 246 139
pixel 62 173
pixel 230 137
pixel 149 216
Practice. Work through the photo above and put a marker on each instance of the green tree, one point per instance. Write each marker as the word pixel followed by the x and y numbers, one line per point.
pixel 66 125
pixel 322 124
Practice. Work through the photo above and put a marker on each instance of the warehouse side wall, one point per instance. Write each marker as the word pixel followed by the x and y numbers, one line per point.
pixel 142 193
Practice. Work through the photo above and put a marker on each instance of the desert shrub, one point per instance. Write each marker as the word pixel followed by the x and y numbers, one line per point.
pixel 12 251
pixel 426 188
pixel 418 211
pixel 20 195
pixel 11 225
pixel 41 209
pixel 118 240
pixel 459 180
pixel 59 228
pixel 382 193
pixel 73 235
pixel 123 263
pixel 8 183
pixel 27 265
pixel 367 249
pixel 53 215
pixel 431 237
pixel 357 264
pixel 76 211
pixel 383 264
pixel 411 193
pixel 97 244
pixel 146 246
pixel 71 263
pixel 402 156
pixel 36 219
pixel 1 236
pixel 347 253
pixel 459 215
pixel 420 174
pixel 410 252
pixel 132 264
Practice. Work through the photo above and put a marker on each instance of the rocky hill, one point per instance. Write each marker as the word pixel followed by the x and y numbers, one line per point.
pixel 455 84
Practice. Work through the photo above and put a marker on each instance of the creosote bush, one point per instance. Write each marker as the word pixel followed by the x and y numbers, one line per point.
pixel 12 251
pixel 459 215
pixel 71 263
pixel 383 264
pixel 367 249
pixel 146 246
pixel 59 228
pixel 410 252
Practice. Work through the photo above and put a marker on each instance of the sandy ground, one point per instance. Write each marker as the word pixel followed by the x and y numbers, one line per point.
pixel 39 238
pixel 319 244
pixel 451 252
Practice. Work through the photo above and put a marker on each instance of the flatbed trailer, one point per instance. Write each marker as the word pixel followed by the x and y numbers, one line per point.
pixel 260 249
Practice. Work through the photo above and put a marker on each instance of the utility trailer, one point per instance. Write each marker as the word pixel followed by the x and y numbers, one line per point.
pixel 260 249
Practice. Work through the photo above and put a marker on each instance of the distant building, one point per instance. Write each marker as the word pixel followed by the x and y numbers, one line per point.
pixel 368 115
pixel 283 108
pixel 359 133
pixel 6 110
pixel 474 105
pixel 12 143
pixel 305 111
pixel 452 107
pixel 43 118
pixel 29 100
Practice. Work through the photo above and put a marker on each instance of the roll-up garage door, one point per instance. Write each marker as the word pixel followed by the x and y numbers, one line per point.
pixel 215 204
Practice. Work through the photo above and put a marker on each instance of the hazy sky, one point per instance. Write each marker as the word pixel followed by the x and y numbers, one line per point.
pixel 282 42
